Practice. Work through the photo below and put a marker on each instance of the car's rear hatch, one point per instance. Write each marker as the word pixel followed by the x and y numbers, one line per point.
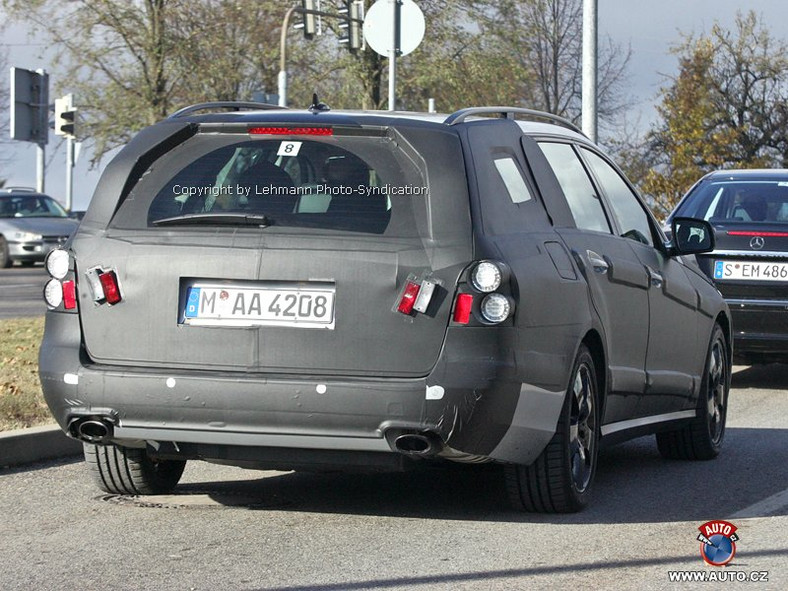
pixel 282 250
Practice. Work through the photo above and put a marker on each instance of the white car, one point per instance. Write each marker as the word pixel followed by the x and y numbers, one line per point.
pixel 31 224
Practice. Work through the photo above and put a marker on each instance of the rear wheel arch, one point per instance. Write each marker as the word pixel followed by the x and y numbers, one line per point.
pixel 725 324
pixel 593 340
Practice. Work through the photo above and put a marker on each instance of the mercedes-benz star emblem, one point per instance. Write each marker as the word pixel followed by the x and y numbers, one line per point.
pixel 757 242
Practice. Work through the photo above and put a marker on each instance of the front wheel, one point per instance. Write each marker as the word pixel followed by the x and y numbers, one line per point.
pixel 702 438
pixel 560 479
pixel 129 471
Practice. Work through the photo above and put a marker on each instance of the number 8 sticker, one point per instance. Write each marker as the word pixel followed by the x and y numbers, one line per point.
pixel 289 149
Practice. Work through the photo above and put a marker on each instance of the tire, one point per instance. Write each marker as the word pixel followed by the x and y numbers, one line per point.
pixel 5 259
pixel 127 471
pixel 702 438
pixel 560 479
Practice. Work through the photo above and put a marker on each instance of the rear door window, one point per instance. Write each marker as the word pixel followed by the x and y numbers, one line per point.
pixel 581 196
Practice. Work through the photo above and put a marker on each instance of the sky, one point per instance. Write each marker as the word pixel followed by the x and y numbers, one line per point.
pixel 648 27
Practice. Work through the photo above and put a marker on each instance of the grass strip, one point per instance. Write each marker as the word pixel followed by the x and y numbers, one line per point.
pixel 21 401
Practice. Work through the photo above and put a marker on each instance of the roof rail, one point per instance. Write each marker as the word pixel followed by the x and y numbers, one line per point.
pixel 509 113
pixel 231 105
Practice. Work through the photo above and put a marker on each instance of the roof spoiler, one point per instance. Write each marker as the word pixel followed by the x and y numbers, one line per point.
pixel 229 105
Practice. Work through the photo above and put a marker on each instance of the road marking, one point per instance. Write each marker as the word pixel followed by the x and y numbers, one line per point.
pixel 764 508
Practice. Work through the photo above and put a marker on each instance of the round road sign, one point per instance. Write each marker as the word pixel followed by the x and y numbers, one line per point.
pixel 379 26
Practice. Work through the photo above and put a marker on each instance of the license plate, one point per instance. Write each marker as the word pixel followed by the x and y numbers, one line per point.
pixel 309 305
pixel 751 270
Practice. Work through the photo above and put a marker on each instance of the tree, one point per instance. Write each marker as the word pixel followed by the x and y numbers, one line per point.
pixel 131 63
pixel 726 108
pixel 545 38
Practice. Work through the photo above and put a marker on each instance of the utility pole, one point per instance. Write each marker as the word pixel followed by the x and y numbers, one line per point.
pixel 590 118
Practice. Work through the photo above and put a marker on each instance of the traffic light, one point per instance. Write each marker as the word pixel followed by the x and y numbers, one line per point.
pixel 65 117
pixel 308 18
pixel 350 23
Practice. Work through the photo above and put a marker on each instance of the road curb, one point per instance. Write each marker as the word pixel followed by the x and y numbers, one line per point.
pixel 36 444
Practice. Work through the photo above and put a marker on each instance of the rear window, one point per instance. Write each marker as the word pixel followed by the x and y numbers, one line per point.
pixel 355 184
pixel 737 201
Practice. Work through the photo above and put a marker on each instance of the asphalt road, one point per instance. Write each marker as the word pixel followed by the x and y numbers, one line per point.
pixel 228 528
pixel 21 290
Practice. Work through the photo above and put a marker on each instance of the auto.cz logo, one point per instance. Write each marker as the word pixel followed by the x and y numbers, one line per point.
pixel 717 542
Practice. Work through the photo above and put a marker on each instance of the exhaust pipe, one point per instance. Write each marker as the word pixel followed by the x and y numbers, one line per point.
pixel 92 430
pixel 417 444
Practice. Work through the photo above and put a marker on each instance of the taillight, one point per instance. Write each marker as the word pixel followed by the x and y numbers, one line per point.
pixel 57 263
pixel 462 308
pixel 408 298
pixel 69 295
pixel 58 291
pixel 110 287
pixel 495 308
pixel 490 283
pixel 486 277
pixel 53 293
pixel 757 233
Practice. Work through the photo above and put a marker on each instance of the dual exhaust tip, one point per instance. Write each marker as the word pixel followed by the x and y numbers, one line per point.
pixel 99 430
pixel 96 430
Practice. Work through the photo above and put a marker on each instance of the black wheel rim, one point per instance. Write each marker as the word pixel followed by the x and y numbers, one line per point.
pixel 582 427
pixel 717 380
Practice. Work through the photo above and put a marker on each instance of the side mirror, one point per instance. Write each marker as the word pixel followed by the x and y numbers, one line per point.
pixel 690 236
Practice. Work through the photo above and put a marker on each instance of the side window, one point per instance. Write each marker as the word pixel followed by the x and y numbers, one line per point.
pixel 631 217
pixel 513 179
pixel 580 194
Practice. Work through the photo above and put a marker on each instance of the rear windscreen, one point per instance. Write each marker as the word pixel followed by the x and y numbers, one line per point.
pixel 739 201
pixel 355 183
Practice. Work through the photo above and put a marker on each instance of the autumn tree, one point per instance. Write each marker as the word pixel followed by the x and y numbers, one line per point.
pixel 726 108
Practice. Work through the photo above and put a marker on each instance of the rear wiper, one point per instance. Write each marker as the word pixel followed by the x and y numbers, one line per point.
pixel 216 219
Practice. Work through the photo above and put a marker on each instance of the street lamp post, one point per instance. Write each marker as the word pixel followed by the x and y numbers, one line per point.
pixel 282 78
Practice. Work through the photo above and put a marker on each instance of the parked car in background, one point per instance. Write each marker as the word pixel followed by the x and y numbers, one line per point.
pixel 749 212
pixel 31 224
pixel 283 289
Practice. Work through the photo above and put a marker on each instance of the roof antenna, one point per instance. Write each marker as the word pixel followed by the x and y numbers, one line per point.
pixel 317 106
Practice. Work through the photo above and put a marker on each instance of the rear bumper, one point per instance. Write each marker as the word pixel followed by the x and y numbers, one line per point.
pixel 760 329
pixel 471 401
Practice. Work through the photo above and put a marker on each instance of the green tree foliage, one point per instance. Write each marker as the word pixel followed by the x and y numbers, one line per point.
pixel 726 108
pixel 130 63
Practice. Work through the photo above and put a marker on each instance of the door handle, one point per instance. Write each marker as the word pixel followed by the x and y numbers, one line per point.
pixel 656 279
pixel 597 262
